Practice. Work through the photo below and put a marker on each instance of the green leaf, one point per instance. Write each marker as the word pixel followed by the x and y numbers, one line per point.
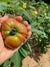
pixel 23 52
pixel 7 64
pixel 23 11
pixel 48 30
pixel 17 59
pixel 2 6
pixel 5 0
pixel 39 32
pixel 34 24
pixel 31 7
pixel 27 46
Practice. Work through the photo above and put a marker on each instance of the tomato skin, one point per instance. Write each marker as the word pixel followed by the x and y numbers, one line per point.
pixel 13 40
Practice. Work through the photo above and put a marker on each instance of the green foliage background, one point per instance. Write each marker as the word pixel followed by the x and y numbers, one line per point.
pixel 40 26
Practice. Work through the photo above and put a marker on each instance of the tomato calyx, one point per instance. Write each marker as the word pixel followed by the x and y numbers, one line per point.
pixel 13 31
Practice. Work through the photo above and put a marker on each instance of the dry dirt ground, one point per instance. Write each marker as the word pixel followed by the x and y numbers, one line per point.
pixel 37 60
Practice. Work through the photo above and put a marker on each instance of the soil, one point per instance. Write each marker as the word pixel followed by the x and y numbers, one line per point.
pixel 36 59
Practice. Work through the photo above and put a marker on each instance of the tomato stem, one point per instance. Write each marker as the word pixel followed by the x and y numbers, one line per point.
pixel 13 31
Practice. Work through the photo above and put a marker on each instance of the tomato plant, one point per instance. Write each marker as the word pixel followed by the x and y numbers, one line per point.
pixel 36 13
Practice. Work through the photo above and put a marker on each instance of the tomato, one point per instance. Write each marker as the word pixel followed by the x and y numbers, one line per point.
pixel 13 33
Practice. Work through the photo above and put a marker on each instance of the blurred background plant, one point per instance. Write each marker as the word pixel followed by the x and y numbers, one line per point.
pixel 38 16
